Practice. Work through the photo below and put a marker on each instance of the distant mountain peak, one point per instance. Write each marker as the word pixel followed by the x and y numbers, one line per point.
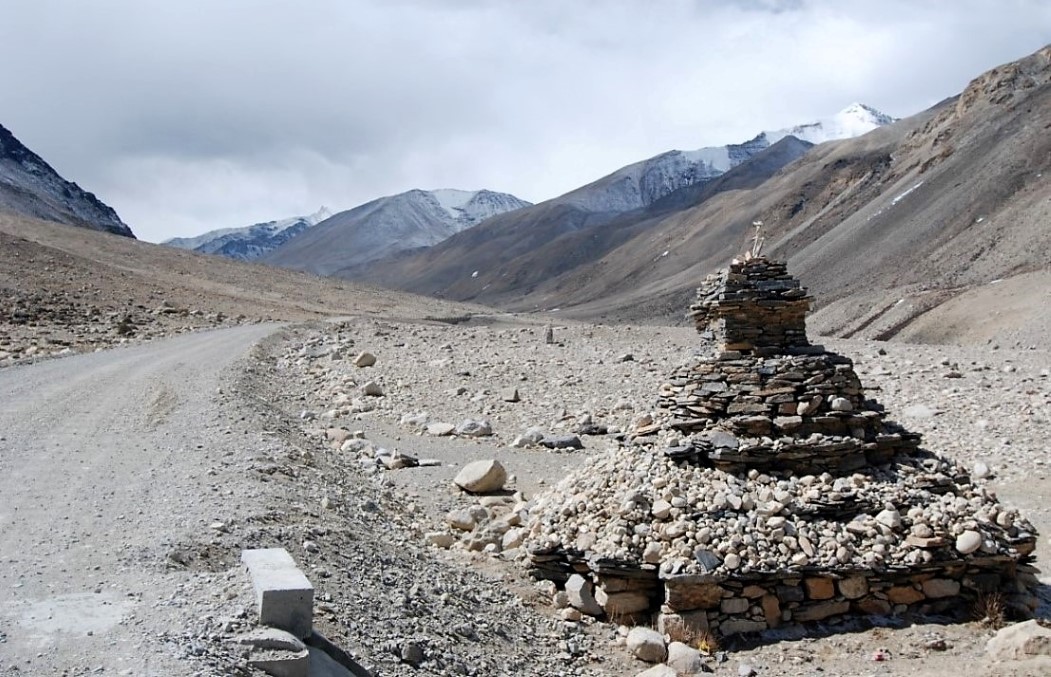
pixel 643 183
pixel 250 242
pixel 854 120
pixel 388 225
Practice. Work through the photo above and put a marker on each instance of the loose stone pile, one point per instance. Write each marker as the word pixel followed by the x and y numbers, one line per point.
pixel 775 492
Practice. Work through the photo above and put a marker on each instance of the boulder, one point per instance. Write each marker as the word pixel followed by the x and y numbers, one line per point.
pixel 684 659
pixel 647 645
pixel 1021 641
pixel 482 477
pixel 581 595
pixel 658 671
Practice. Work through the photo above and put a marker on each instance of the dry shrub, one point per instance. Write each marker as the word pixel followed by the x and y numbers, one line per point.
pixel 990 610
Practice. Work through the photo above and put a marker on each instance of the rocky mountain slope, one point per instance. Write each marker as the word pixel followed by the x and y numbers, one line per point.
pixel 250 242
pixel 933 229
pixel 930 229
pixel 31 187
pixel 515 254
pixel 417 218
pixel 643 183
pixel 65 290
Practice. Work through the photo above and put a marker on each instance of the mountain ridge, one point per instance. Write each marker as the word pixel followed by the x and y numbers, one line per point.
pixel 31 187
pixel 250 242
pixel 389 225
pixel 516 253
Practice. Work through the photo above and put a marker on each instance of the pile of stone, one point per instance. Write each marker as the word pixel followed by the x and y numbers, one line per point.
pixel 775 492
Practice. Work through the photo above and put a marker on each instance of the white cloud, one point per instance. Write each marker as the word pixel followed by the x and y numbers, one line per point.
pixel 196 115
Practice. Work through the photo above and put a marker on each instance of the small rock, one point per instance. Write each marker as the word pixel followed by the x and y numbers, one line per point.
pixel 968 542
pixel 980 470
pixel 652 553
pixel 530 438
pixel 571 614
pixel 841 404
pixel 746 670
pixel 510 395
pixel 461 519
pixel 562 442
pixel 372 389
pixel 270 639
pixel 889 518
pixel 474 428
pixel 412 653
pixel 364 360
pixel 440 429
pixel 660 509
pixel 440 539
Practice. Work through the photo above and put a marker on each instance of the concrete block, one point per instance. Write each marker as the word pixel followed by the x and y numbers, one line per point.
pixel 284 596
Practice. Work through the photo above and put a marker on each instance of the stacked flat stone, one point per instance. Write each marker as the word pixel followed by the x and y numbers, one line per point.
pixel 776 492
pixel 753 308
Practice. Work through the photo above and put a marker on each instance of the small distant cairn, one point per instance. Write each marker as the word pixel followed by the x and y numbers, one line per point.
pixel 776 493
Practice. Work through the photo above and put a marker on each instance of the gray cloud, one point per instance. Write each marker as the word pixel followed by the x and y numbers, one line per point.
pixel 202 114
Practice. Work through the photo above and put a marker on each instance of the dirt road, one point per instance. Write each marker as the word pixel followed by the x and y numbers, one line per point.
pixel 108 462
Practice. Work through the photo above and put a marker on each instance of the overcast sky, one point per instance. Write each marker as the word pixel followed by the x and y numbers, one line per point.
pixel 191 115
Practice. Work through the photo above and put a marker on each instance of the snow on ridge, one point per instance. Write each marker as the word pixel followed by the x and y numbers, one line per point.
pixel 717 158
pixel 854 120
pixel 453 200
pixel 271 228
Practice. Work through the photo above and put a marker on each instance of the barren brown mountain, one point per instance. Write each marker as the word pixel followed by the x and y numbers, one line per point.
pixel 934 228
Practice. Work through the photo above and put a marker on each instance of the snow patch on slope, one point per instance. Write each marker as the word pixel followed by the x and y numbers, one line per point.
pixel 452 200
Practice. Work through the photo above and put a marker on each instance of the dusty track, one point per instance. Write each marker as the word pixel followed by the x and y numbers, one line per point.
pixel 104 467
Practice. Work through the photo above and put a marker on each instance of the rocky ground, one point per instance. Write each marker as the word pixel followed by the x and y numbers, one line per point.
pixel 365 509
pixel 990 409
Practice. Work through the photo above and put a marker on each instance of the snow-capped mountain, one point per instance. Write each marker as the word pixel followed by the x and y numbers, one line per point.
pixel 643 183
pixel 30 186
pixel 250 242
pixel 854 120
pixel 468 207
pixel 417 218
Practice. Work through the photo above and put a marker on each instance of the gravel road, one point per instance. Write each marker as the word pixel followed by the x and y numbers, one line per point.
pixel 105 464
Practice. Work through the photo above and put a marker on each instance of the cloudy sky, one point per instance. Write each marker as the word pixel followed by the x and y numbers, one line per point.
pixel 190 115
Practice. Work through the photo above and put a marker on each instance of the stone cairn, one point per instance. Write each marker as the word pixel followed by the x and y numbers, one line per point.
pixel 775 493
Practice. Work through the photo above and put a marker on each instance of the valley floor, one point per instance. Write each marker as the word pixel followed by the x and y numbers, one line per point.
pixel 130 480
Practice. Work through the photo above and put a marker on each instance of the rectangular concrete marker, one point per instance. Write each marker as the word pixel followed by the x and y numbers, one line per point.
pixel 284 596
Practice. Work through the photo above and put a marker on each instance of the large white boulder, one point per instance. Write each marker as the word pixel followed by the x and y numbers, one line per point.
pixel 482 477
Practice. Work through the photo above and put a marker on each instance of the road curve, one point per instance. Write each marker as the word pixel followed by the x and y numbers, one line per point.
pixel 106 460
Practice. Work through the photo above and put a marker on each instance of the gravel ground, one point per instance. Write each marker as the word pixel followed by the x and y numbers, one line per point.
pixel 974 404
pixel 132 478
